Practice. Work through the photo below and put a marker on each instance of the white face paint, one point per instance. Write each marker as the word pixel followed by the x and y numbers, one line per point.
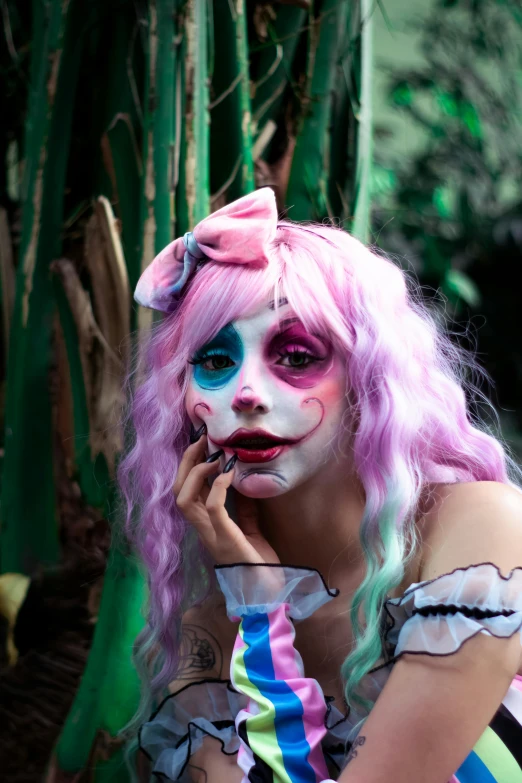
pixel 273 394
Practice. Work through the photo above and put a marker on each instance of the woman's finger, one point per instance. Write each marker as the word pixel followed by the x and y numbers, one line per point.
pixel 192 456
pixel 188 499
pixel 215 505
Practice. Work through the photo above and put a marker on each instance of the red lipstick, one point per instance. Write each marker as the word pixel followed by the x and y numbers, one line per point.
pixel 256 445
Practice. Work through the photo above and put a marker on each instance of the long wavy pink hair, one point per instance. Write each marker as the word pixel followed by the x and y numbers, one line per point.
pixel 407 383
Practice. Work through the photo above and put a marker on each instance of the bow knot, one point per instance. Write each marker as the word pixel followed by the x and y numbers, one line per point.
pixel 192 246
pixel 239 233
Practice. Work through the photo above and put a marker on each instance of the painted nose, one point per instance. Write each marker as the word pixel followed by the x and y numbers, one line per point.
pixel 247 400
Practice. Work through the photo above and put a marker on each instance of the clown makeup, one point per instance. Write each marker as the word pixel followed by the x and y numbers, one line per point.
pixel 272 393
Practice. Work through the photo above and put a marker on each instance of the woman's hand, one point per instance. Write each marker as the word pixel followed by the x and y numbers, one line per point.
pixel 204 507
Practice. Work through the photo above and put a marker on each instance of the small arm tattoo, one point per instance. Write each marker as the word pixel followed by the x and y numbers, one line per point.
pixel 200 653
pixel 357 743
pixel 202 777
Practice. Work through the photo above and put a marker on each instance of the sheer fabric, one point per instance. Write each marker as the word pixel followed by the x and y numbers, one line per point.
pixel 251 588
pixel 434 617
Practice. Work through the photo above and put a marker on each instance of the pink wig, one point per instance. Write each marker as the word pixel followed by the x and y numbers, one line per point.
pixel 411 425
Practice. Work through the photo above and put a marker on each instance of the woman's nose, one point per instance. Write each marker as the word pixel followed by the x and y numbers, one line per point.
pixel 250 399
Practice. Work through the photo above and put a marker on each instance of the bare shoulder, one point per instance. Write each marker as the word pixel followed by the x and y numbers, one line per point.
pixel 206 644
pixel 468 523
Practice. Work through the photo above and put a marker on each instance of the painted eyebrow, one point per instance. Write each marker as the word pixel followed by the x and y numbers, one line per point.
pixel 295 320
pixel 280 303
pixel 288 322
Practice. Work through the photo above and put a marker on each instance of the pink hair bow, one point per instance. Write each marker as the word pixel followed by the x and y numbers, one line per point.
pixel 239 233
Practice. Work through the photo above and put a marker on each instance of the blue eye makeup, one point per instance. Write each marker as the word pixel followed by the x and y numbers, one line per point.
pixel 216 363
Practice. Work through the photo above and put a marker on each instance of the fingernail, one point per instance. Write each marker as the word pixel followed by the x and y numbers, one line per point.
pixel 216 455
pixel 230 464
pixel 195 435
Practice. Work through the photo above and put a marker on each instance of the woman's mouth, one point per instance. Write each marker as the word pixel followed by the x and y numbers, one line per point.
pixel 256 445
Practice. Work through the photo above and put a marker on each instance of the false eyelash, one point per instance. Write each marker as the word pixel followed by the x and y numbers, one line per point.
pixel 211 352
pixel 294 349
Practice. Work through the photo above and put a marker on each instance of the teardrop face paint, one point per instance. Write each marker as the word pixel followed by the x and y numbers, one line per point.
pixel 272 393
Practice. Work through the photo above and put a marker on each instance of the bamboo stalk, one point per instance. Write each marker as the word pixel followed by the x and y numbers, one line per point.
pixel 307 187
pixel 109 690
pixel 29 534
pixel 197 185
pixel 159 141
pixel 232 164
pixel 361 206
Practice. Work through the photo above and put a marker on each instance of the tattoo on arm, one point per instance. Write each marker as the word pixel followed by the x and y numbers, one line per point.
pixel 202 777
pixel 357 743
pixel 200 653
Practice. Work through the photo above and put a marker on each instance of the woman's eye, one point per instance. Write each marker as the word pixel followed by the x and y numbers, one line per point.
pixel 296 359
pixel 217 362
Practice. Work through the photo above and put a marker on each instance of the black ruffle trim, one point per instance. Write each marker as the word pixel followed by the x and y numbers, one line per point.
pixel 461 568
pixel 389 621
pixel 333 591
pixel 221 724
pixel 395 658
pixel 468 611
pixel 226 723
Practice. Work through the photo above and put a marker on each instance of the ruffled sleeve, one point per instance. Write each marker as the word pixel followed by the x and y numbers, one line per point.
pixel 438 616
pixel 182 721
pixel 259 588
pixel 282 728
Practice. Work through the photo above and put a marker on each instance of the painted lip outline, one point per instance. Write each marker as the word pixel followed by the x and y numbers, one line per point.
pixel 263 453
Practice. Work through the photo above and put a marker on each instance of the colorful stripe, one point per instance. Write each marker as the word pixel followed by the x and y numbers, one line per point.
pixel 288 666
pixel 262 740
pixel 284 726
pixel 490 761
pixel 288 719
pixel 473 770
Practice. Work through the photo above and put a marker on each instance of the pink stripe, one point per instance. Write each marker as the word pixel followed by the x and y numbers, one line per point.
pixel 288 666
pixel 238 645
pixel 517 682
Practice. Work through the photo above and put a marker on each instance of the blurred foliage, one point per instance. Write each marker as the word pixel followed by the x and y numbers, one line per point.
pixel 453 208
pixel 124 123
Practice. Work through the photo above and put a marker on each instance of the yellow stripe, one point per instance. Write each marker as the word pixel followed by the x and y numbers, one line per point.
pixel 498 758
pixel 260 728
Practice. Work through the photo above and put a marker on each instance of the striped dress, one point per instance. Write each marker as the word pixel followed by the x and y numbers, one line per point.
pixel 279 722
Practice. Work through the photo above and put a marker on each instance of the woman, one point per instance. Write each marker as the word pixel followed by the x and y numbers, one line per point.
pixel 331 433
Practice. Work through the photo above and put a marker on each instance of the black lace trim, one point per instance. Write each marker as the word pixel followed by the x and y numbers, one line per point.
pixel 460 568
pixel 329 701
pixel 333 748
pixel 334 591
pixel 388 620
pixel 395 658
pixel 467 611
pixel 187 737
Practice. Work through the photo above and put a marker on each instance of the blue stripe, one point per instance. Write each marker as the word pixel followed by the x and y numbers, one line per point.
pixel 288 720
pixel 473 770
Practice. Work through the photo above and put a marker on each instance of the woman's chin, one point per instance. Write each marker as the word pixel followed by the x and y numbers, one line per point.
pixel 261 483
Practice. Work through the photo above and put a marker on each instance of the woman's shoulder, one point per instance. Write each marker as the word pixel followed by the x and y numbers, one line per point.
pixel 464 523
pixel 467 523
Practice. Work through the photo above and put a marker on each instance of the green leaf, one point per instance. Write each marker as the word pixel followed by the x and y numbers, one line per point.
pixel 402 94
pixel 462 286
pixel 472 120
pixel 444 201
pixel 447 103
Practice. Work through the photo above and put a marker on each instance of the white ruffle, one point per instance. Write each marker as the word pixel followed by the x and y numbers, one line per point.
pixel 209 708
pixel 252 588
pixel 180 724
pixel 447 601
